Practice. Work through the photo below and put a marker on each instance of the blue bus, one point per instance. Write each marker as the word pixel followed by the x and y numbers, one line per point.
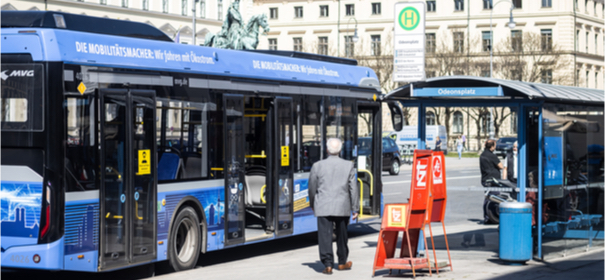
pixel 121 147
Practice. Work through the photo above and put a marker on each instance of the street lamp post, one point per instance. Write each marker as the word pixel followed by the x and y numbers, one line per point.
pixel 511 25
pixel 355 37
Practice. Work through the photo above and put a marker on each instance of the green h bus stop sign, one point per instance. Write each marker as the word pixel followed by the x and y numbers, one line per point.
pixel 409 42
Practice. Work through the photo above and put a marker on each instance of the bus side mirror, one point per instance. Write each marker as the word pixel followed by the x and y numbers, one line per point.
pixel 396 116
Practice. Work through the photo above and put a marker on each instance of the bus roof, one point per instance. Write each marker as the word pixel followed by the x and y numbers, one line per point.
pixel 94 49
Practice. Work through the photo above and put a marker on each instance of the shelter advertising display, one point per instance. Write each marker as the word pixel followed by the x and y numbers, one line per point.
pixel 409 42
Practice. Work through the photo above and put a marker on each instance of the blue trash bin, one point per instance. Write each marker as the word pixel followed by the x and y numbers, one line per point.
pixel 515 232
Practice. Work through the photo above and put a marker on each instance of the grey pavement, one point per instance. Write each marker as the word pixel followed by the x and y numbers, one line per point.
pixel 298 258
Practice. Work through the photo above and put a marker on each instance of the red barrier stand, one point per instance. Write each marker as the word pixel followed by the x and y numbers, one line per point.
pixel 408 218
pixel 437 205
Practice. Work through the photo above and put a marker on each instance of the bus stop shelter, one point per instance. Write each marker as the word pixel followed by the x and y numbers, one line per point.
pixel 560 150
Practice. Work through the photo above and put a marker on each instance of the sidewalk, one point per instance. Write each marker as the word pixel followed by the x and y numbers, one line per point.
pixel 297 258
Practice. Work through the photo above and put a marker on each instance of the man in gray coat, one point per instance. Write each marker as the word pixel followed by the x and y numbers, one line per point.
pixel 333 195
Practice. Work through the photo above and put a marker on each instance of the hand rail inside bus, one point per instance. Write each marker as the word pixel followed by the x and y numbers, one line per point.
pixel 361 190
pixel 262 155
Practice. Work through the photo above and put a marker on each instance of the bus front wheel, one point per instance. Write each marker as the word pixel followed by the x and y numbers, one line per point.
pixel 184 243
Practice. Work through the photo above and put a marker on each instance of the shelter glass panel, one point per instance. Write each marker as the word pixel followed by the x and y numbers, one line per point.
pixel 572 179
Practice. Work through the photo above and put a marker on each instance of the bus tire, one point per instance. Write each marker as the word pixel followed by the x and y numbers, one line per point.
pixel 184 241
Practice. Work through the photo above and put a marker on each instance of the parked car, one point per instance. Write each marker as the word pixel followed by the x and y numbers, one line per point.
pixel 391 159
pixel 504 145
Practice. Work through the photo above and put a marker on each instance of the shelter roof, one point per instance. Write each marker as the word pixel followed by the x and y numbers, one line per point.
pixel 537 91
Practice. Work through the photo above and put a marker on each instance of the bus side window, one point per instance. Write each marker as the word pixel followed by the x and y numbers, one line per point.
pixel 195 140
pixel 341 123
pixel 183 141
pixel 311 131
pixel 80 156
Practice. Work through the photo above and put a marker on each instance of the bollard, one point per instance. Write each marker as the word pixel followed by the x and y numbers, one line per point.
pixel 515 232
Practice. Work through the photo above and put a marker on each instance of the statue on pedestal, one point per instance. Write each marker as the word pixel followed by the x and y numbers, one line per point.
pixel 235 34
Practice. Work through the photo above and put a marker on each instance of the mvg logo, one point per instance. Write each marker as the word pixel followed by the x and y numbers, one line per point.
pixel 17 73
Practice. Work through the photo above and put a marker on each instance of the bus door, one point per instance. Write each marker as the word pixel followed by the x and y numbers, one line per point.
pixel 282 175
pixel 128 177
pixel 369 157
pixel 234 169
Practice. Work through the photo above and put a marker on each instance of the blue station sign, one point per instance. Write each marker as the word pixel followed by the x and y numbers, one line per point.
pixel 457 92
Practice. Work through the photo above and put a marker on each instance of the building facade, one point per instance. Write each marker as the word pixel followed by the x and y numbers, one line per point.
pixel 572 30
pixel 171 16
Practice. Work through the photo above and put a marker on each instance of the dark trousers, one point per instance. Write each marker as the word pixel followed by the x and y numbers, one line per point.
pixel 325 227
pixel 486 200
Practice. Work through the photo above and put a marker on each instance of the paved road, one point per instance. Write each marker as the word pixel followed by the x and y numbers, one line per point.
pixel 464 190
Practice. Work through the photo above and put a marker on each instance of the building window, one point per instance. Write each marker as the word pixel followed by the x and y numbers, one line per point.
pixel 546 3
pixel 220 10
pixel 298 12
pixel 165 6
pixel 375 45
pixel 487 4
pixel 349 46
pixel 376 9
pixel 518 4
pixel 576 5
pixel 430 118
pixel 430 42
pixel 546 39
pixel 184 7
pixel 586 6
pixel 517 40
pixel 273 13
pixel 125 3
pixel 202 8
pixel 587 35
pixel 595 7
pixel 322 47
pixel 587 75
pixel 458 42
pixel 458 122
pixel 103 2
pixel 350 9
pixel 596 79
pixel 577 40
pixel 298 46
pixel 431 6
pixel 324 11
pixel 273 44
pixel 596 44
pixel 146 5
pixel 458 5
pixel 486 40
pixel 546 76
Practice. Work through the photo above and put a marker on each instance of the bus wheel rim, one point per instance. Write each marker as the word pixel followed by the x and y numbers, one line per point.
pixel 185 240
